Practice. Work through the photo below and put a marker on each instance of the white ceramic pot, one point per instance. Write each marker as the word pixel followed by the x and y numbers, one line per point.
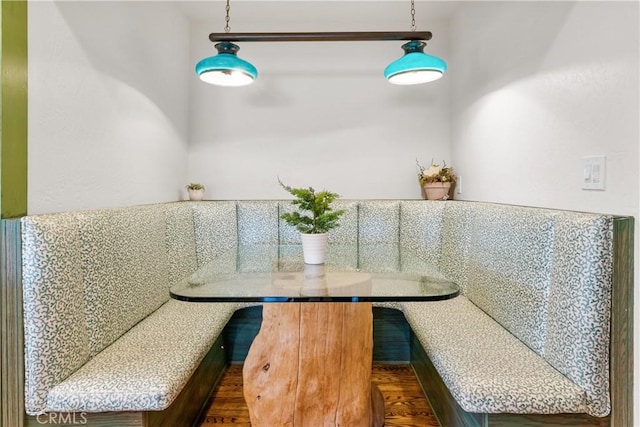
pixel 437 190
pixel 195 194
pixel 314 282
pixel 314 247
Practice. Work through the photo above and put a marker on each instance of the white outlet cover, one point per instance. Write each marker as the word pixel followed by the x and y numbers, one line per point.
pixel 593 172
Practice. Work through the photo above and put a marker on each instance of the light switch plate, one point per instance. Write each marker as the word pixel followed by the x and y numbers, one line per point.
pixel 593 172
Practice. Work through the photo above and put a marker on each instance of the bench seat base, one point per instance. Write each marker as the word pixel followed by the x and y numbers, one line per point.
pixel 146 368
pixel 183 412
pixel 487 369
pixel 450 414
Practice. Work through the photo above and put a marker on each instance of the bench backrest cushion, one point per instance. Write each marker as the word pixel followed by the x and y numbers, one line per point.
pixel 421 229
pixel 508 268
pixel 579 309
pixel 257 222
pixel 124 263
pixel 456 238
pixel 182 259
pixel 379 235
pixel 545 276
pixel 55 328
pixel 216 229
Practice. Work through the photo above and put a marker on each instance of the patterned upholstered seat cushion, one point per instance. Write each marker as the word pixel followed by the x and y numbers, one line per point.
pixel 147 367
pixel 487 369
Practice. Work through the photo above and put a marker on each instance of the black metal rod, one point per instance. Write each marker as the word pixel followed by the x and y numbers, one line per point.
pixel 321 37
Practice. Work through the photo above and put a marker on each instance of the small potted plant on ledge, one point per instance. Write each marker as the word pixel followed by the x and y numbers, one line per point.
pixel 196 191
pixel 313 219
pixel 436 181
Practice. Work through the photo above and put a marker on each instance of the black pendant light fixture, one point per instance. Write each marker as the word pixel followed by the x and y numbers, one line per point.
pixel 414 67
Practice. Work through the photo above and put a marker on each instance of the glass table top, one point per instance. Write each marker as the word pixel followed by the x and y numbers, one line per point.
pixel 270 273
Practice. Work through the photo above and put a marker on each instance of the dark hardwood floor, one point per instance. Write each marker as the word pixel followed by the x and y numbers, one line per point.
pixel 405 404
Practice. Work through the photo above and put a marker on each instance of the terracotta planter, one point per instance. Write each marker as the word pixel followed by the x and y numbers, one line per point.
pixel 314 247
pixel 436 190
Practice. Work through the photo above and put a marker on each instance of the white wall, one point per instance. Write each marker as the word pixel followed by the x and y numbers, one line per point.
pixel 537 86
pixel 319 114
pixel 532 87
pixel 108 104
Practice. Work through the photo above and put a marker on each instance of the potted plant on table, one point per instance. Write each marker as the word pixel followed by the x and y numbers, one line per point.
pixel 196 191
pixel 313 219
pixel 436 181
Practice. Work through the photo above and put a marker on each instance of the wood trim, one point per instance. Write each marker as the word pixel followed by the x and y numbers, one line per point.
pixel 621 371
pixel 537 420
pixel 13 109
pixel 444 406
pixel 391 336
pixel 75 419
pixel 11 326
pixel 321 37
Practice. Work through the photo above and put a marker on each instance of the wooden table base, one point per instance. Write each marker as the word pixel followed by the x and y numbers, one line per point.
pixel 310 365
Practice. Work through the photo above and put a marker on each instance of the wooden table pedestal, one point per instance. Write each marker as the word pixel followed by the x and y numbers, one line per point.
pixel 310 365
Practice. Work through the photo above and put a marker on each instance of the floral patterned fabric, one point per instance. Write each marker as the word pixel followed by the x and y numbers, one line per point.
pixel 508 268
pixel 149 365
pixel 544 276
pixel 421 232
pixel 579 309
pixel 216 229
pixel 486 369
pixel 530 334
pixel 379 236
pixel 124 262
pixel 180 241
pixel 55 330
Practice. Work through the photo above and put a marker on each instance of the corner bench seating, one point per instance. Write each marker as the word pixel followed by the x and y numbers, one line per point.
pixel 529 333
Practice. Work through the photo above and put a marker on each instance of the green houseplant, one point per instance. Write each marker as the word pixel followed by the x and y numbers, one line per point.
pixel 313 218
pixel 195 191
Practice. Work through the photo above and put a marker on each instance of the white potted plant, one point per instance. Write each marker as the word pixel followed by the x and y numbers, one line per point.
pixel 313 219
pixel 196 191
pixel 436 181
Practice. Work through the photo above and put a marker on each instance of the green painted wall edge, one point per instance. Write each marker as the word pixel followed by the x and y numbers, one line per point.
pixel 13 109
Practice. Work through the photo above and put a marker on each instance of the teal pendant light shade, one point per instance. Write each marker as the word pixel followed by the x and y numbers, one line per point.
pixel 225 68
pixel 415 66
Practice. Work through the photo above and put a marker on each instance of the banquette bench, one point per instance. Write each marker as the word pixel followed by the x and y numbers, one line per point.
pixel 529 336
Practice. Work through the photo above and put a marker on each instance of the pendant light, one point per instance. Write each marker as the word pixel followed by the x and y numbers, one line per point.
pixel 225 68
pixel 415 66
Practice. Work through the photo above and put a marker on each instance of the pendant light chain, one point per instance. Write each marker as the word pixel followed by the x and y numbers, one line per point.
pixel 227 28
pixel 413 15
